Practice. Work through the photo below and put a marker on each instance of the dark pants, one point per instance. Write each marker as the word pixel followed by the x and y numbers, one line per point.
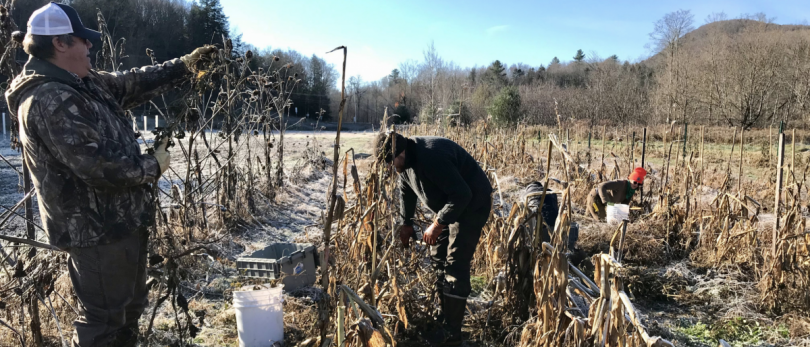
pixel 453 252
pixel 110 283
pixel 595 206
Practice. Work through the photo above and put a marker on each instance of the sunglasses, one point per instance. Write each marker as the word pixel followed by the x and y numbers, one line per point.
pixel 637 183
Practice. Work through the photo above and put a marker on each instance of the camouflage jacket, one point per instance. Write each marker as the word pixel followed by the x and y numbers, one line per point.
pixel 91 179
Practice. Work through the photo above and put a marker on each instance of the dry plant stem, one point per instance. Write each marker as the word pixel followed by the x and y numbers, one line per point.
pixel 19 336
pixel 11 166
pixel 376 317
pixel 16 206
pixel 332 199
pixel 539 223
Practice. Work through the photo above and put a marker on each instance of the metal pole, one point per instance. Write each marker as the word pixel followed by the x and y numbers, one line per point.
pixel 145 128
pixel 156 121
pixel 4 124
pixel 568 138
pixel 781 159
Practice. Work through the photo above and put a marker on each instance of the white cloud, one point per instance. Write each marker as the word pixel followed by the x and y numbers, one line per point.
pixel 496 29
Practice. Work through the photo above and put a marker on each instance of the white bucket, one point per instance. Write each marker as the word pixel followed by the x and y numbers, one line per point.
pixel 617 213
pixel 259 317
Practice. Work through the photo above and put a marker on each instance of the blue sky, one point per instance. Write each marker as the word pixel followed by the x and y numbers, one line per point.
pixel 381 34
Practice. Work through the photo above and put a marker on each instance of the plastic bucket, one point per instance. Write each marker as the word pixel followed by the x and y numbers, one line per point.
pixel 617 213
pixel 259 317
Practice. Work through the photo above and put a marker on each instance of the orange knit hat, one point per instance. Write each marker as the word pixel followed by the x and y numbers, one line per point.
pixel 638 175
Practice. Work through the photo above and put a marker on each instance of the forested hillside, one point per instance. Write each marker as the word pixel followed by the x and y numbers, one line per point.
pixel 172 28
pixel 738 72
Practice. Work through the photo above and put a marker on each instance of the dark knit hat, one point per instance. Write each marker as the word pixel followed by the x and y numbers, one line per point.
pixel 382 148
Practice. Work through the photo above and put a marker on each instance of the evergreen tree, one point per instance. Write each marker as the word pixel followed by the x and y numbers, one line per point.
pixel 393 78
pixel 580 56
pixel 505 108
pixel 554 61
pixel 207 23
pixel 517 75
pixel 495 74
pixel 614 57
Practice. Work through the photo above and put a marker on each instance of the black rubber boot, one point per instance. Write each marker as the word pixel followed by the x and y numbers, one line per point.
pixel 454 308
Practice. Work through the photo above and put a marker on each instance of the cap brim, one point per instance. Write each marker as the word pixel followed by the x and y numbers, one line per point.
pixel 88 34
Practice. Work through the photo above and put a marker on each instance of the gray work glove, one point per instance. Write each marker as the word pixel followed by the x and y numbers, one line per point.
pixel 162 155
pixel 196 60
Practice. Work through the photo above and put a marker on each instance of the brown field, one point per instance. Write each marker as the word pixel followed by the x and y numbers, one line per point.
pixel 695 274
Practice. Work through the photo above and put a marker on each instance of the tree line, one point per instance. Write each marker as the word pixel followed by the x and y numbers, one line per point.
pixel 745 72
pixel 172 28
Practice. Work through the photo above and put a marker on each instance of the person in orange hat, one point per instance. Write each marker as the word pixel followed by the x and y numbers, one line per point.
pixel 614 192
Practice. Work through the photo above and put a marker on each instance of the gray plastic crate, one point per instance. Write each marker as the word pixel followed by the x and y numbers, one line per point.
pixel 297 261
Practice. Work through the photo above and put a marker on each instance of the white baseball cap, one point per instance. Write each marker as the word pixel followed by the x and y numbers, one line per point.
pixel 58 19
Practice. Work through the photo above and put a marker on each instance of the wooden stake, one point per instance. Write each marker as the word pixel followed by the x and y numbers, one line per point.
pixel 770 145
pixel 702 154
pixel 632 151
pixel 35 324
pixel 589 149
pixel 793 156
pixel 742 151
pixel 341 312
pixel 602 162
pixel 780 162
pixel 685 140
pixel 733 142
pixel 643 158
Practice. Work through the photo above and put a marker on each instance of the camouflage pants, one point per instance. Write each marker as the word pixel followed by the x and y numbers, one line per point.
pixel 110 283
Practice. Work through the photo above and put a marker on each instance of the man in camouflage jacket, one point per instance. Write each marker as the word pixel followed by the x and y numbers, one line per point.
pixel 92 181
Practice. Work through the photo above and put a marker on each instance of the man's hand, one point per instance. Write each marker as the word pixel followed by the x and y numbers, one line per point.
pixel 432 233
pixel 196 60
pixel 162 155
pixel 405 234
